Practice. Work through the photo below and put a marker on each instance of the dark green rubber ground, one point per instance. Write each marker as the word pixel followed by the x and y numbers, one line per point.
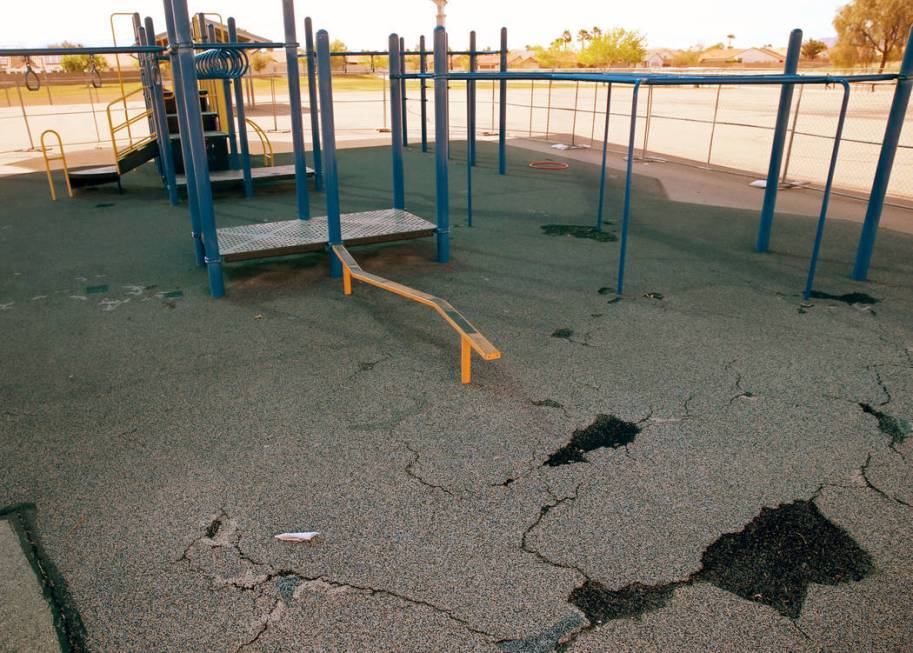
pixel 164 437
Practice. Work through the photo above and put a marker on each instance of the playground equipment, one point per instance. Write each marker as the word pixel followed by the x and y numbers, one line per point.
pixel 62 157
pixel 787 81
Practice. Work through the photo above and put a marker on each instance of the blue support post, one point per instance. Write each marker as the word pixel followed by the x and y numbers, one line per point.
pixel 423 90
pixel 825 200
pixel 502 109
pixel 229 112
pixel 629 173
pixel 325 74
pixel 605 148
pixel 243 143
pixel 441 146
pixel 779 140
pixel 311 65
pixel 405 111
pixel 187 98
pixel 397 129
pixel 885 164
pixel 294 98
pixel 468 191
pixel 193 200
pixel 471 98
pixel 154 76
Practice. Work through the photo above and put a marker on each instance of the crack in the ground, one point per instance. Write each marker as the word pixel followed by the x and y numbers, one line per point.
pixel 607 431
pixel 741 392
pixel 410 471
pixel 864 471
pixel 543 511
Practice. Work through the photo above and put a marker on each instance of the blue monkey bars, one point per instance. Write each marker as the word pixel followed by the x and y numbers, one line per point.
pixel 787 80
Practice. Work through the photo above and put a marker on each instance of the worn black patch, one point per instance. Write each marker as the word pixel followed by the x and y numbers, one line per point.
pixel 96 290
pixel 562 333
pixel 286 586
pixel 779 553
pixel 847 298
pixel 543 642
pixel 605 290
pixel 579 231
pixel 104 205
pixel 213 529
pixel 601 604
pixel 898 429
pixel 606 431
pixel 547 403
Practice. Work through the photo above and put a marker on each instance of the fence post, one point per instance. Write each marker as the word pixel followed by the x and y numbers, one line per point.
pixel 792 134
pixel 548 110
pixel 25 118
pixel 441 146
pixel 643 152
pixel 716 109
pixel 532 87
pixel 595 101
pixel 471 91
pixel 892 132
pixel 574 117
pixel 776 150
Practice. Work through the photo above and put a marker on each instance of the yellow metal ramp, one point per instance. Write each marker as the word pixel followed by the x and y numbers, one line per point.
pixel 470 338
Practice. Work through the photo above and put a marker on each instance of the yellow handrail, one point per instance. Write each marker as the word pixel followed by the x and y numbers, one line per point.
pixel 120 78
pixel 269 158
pixel 470 338
pixel 47 163
pixel 118 154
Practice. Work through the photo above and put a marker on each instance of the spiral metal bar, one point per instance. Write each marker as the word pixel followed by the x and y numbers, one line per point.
pixel 221 63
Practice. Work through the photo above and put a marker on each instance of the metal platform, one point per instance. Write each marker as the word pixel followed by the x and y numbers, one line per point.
pixel 268 239
pixel 268 173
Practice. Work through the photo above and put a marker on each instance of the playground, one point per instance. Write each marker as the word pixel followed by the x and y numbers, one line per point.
pixel 554 401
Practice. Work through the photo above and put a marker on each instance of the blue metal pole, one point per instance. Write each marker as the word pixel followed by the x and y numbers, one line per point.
pixel 405 111
pixel 779 140
pixel 605 147
pixel 325 75
pixel 294 98
pixel 825 200
pixel 154 76
pixel 312 102
pixel 629 173
pixel 471 99
pixel 423 90
pixel 396 121
pixel 468 191
pixel 242 120
pixel 193 200
pixel 502 109
pixel 885 164
pixel 188 95
pixel 229 112
pixel 441 145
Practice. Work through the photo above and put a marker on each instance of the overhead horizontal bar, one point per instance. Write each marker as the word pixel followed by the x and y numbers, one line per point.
pixel 384 53
pixel 655 79
pixel 122 49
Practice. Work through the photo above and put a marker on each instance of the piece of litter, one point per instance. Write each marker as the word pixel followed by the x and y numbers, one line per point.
pixel 258 316
pixel 296 537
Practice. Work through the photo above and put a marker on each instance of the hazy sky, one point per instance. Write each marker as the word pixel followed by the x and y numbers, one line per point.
pixel 363 24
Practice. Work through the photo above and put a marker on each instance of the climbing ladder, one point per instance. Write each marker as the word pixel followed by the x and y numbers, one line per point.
pixel 470 338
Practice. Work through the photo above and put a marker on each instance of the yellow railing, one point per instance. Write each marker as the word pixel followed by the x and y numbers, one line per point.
pixel 120 76
pixel 47 163
pixel 470 338
pixel 268 158
pixel 114 128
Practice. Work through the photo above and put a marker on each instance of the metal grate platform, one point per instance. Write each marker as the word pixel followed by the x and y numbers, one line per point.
pixel 266 173
pixel 268 239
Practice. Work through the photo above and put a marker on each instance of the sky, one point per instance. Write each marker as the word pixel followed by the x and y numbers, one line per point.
pixel 363 24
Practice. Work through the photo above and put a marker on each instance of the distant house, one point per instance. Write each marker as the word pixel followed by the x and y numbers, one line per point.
pixel 5 63
pixel 522 60
pixel 719 56
pixel 488 62
pixel 658 58
pixel 761 55
pixel 724 56
pixel 221 33
pixel 43 64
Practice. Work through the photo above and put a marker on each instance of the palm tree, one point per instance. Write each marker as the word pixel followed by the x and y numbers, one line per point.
pixel 583 36
pixel 566 37
pixel 596 32
pixel 730 37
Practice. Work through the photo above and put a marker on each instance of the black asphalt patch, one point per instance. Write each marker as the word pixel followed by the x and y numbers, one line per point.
pixel 779 553
pixel 898 429
pixel 562 333
pixel 847 298
pixel 579 231
pixel 607 431
pixel 601 604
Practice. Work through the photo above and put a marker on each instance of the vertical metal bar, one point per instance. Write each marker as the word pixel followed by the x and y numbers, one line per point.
pixel 47 87
pixel 154 77
pixel 311 65
pixel 595 100
pixel 574 118
pixel 548 110
pixel 25 118
pixel 532 96
pixel 493 84
pixel 396 118
pixel 471 93
pixel 643 152
pixel 441 146
pixel 193 200
pixel 779 139
pixel 792 133
pixel 716 110
pixel 188 95
pixel 825 200
pixel 403 100
pixel 605 149
pixel 629 173
pixel 502 118
pixel 328 123
pixel 294 98
pixel 94 117
pixel 889 144
pixel 423 90
pixel 383 97
pixel 272 92
pixel 242 120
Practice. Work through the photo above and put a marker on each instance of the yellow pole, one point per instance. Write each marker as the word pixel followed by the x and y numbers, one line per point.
pixel 120 77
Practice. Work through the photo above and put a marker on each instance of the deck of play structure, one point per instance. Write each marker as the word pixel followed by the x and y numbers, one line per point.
pixel 192 128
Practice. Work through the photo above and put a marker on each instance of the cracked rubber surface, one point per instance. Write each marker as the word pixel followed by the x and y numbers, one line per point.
pixel 166 437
